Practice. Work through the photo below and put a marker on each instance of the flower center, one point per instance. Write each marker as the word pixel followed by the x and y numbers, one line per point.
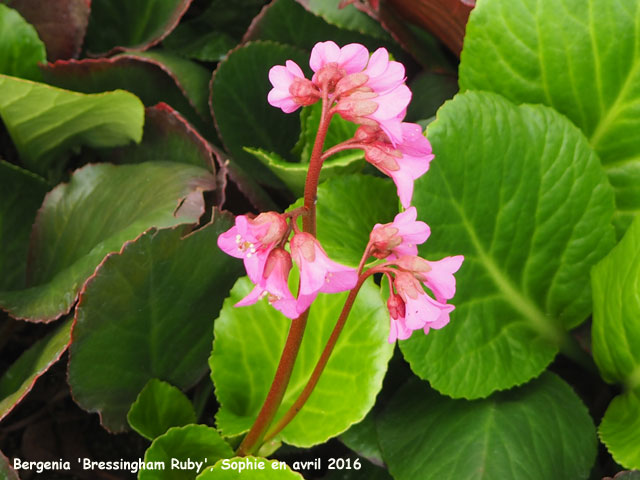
pixel 248 248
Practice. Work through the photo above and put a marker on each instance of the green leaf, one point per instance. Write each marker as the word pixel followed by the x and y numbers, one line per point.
pixel 239 102
pixel 22 194
pixel 363 438
pixel 616 311
pixel 192 77
pixel 82 221
pixel 294 175
pixel 147 76
pixel 287 21
pixel 167 137
pixel 19 379
pixel 61 24
pixel 256 335
pixel 205 46
pixel 348 207
pixel 131 25
pixel 430 91
pixel 520 194
pixel 249 468
pixel 347 18
pixel 200 445
pixel 45 122
pixel 577 56
pixel 620 429
pixel 160 406
pixel 21 50
pixel 541 431
pixel 150 306
pixel 616 343
pixel 6 472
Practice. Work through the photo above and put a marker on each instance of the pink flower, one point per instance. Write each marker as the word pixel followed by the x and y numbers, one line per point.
pixel 420 310
pixel 252 240
pixel 331 63
pixel 318 273
pixel 291 89
pixel 400 237
pixel 440 278
pixel 404 163
pixel 273 284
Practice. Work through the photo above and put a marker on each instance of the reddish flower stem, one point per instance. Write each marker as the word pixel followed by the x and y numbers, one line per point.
pixel 254 438
pixel 341 147
pixel 326 353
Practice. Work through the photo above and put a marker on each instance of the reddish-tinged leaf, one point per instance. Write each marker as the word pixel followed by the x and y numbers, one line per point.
pixel 19 379
pixel 446 19
pixel 119 25
pixel 61 24
pixel 148 78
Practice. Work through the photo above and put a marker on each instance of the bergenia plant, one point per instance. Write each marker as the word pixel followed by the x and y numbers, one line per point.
pixel 369 90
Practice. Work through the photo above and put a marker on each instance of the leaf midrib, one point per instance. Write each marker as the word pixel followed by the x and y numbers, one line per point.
pixel 537 319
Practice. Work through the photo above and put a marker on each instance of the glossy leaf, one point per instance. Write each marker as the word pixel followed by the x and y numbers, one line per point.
pixel 239 104
pixel 616 343
pixel 151 305
pixel 22 194
pixel 616 311
pixel 82 221
pixel 20 47
pixel 519 193
pixel 256 335
pixel 167 136
pixel 620 429
pixel 194 443
pixel 348 207
pixel 294 175
pixel 45 122
pixel 286 21
pixel 150 79
pixel 126 25
pixel 232 470
pixel 160 406
pixel 541 431
pixel 61 24
pixel 346 18
pixel 19 379
pixel 560 53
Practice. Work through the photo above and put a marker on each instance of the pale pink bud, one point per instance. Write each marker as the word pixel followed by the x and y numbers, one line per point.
pixel 400 237
pixel 290 88
pixel 274 284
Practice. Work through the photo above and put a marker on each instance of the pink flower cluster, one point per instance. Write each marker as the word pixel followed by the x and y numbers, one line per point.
pixel 260 242
pixel 367 90
pixel 370 91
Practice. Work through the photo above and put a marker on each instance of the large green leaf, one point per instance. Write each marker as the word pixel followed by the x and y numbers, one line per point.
pixel 541 431
pixel 22 194
pixel 44 121
pixel 160 406
pixel 249 468
pixel 248 343
pixel 343 224
pixel 127 25
pixel 84 220
pixel 620 429
pixel 18 380
pixel 185 452
pixel 147 313
pixel 520 194
pixel 20 47
pixel 578 56
pixel 239 103
pixel 616 343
